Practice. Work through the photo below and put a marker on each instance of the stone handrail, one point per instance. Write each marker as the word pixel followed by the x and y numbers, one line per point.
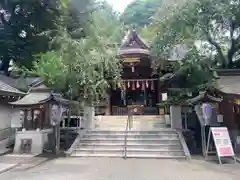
pixel 6 133
pixel 184 145
pixel 75 143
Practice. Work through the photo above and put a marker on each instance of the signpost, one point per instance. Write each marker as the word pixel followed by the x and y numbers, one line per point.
pixel 222 143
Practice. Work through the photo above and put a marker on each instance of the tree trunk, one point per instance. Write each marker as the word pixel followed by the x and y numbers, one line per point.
pixel 230 59
pixel 5 65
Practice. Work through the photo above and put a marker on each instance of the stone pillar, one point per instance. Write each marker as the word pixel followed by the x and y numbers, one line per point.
pixel 176 117
pixel 89 116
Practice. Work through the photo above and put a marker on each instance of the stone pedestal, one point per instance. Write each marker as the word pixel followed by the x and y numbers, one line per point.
pixel 38 139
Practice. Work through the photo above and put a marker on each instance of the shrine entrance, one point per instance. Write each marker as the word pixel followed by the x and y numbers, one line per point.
pixel 141 94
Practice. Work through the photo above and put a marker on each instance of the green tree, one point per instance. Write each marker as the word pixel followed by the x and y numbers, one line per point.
pixel 139 13
pixel 85 67
pixel 22 22
pixel 211 26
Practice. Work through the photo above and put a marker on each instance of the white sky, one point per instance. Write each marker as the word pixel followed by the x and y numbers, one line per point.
pixel 120 5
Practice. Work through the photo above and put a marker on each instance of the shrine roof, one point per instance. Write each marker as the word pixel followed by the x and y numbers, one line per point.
pixel 9 90
pixel 40 95
pixel 229 84
pixel 22 84
pixel 203 96
pixel 133 44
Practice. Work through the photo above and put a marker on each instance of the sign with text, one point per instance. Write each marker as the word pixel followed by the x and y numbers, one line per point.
pixel 222 141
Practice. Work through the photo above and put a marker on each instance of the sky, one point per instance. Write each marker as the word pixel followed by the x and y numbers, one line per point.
pixel 120 5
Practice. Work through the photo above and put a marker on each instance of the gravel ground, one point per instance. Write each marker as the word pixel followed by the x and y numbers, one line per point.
pixel 119 169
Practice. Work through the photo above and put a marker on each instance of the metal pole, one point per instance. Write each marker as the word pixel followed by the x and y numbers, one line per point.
pixel 208 142
pixel 203 140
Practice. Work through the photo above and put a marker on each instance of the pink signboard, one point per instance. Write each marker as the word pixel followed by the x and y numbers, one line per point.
pixel 222 141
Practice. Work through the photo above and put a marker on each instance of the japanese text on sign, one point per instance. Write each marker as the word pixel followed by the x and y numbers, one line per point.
pixel 222 141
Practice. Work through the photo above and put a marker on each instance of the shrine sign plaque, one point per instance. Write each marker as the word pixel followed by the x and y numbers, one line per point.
pixel 222 142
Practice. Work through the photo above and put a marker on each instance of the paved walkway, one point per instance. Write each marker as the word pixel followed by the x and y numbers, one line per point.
pixel 119 169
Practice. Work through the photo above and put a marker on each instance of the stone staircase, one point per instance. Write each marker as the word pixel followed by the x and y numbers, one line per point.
pixel 148 138
pixel 140 123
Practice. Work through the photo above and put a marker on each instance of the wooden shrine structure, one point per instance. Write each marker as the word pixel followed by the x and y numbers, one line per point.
pixel 139 88
pixel 41 111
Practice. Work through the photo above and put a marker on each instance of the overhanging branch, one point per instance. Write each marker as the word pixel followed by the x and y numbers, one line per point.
pixel 216 45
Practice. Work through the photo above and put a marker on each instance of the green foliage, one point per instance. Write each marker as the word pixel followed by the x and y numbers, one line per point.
pixel 140 13
pixel 214 25
pixel 22 22
pixel 177 98
pixel 83 68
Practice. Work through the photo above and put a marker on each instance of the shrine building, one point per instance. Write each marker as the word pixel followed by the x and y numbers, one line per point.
pixel 140 88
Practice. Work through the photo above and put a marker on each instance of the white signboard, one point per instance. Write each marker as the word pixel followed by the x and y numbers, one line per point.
pixel 222 141
pixel 164 96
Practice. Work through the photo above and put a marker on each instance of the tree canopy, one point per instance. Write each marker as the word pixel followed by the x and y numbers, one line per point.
pixel 211 26
pixel 84 67
pixel 22 22
pixel 140 13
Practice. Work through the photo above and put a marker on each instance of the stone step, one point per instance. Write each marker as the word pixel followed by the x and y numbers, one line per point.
pixel 134 153
pixel 131 143
pixel 142 141
pixel 123 120
pixel 130 147
pixel 162 131
pixel 157 156
pixel 134 125
pixel 129 150
pixel 134 116
pixel 113 155
pixel 129 136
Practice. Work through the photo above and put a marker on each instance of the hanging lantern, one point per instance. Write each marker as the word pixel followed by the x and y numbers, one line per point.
pixel 147 85
pixel 128 84
pixel 138 85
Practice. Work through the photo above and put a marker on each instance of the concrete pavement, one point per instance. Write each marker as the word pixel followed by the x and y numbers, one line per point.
pixel 119 169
